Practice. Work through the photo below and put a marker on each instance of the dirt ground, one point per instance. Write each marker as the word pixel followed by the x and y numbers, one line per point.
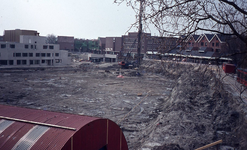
pixel 170 106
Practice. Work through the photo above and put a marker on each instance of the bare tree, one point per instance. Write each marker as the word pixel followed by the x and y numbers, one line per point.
pixel 51 39
pixel 186 17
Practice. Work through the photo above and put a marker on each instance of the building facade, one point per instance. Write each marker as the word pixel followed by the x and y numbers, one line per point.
pixel 30 39
pixel 128 44
pixel 66 43
pixel 113 44
pixel 31 54
pixel 210 42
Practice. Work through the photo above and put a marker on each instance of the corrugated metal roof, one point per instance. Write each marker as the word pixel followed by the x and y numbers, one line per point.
pixel 32 129
pixel 4 124
pixel 30 138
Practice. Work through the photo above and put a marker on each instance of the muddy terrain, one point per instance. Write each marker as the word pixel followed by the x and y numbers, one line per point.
pixel 167 106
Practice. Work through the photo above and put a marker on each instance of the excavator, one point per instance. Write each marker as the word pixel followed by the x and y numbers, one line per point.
pixel 126 63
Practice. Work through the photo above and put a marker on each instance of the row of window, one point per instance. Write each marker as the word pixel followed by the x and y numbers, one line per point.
pixel 205 44
pixel 31 62
pixel 36 54
pixel 26 46
pixel 46 47
pixel 5 46
pixel 31 46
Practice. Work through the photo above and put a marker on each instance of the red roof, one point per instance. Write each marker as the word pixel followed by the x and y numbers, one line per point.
pixel 22 128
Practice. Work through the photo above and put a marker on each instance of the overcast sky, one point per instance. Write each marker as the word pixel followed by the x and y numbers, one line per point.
pixel 88 19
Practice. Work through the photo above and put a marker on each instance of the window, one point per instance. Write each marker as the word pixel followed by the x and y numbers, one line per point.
pixel 24 62
pixel 11 62
pixel 217 44
pixel 202 43
pixel 31 62
pixel 36 62
pixel 42 54
pixel 30 54
pixel 3 45
pixel 17 54
pixel 206 43
pixel 212 44
pixel 51 47
pixel 43 61
pixel 18 62
pixel 31 46
pixel 37 54
pixel 45 46
pixel 24 54
pixel 48 54
pixel 3 62
pixel 192 44
pixel 217 50
pixel 26 46
pixel 12 45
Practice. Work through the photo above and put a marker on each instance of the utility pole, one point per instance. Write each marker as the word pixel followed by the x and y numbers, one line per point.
pixel 139 35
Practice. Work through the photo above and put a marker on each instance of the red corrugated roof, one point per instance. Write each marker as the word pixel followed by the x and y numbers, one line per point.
pixel 24 128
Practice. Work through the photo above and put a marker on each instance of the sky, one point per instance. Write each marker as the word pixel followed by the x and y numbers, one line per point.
pixel 87 19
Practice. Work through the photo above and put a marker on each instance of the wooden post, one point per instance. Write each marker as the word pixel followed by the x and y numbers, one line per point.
pixel 38 123
pixel 209 145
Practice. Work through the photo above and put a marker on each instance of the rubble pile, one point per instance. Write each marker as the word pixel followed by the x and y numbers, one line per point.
pixel 198 112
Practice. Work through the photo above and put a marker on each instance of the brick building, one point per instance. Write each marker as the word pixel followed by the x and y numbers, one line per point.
pixel 66 42
pixel 129 44
pixel 208 42
pixel 14 35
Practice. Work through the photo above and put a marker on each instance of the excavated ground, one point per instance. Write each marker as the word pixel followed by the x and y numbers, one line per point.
pixel 170 106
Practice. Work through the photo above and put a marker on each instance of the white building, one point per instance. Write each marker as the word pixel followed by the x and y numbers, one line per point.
pixel 32 51
pixel 33 39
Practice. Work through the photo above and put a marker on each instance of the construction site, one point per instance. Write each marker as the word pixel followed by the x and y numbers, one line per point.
pixel 164 105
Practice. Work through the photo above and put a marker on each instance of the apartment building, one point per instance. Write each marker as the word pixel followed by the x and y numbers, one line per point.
pixel 208 42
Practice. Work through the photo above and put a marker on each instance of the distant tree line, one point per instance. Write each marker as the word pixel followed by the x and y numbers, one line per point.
pixel 86 45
